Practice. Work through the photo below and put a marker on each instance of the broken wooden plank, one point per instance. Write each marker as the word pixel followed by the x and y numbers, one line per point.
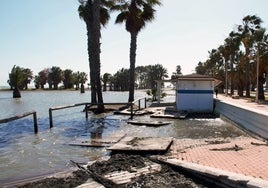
pixel 98 142
pixel 149 123
pixel 142 144
pixel 124 177
pixel 178 115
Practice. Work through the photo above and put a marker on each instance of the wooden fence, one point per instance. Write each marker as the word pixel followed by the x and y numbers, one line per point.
pixel 131 104
pixel 22 116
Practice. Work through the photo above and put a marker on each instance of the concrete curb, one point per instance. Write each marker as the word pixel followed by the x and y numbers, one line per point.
pixel 217 176
pixel 247 118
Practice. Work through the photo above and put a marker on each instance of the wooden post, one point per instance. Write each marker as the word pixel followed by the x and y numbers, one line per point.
pixel 35 123
pixel 131 111
pixel 50 118
pixel 158 91
pixel 139 104
pixel 86 110
pixel 145 105
pixel 22 116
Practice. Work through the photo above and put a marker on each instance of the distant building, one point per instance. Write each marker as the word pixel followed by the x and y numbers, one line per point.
pixel 194 93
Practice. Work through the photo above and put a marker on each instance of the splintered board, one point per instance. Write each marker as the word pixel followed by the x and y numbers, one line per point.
pixel 98 142
pixel 149 123
pixel 142 144
pixel 123 177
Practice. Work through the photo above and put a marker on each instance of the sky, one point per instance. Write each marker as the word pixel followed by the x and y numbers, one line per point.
pixel 45 33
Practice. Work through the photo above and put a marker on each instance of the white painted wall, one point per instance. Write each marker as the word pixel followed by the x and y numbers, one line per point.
pixel 194 96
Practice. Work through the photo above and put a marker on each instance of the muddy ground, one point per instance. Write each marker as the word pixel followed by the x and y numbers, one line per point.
pixel 166 178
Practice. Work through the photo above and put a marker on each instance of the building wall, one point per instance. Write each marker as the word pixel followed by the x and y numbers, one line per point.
pixel 194 96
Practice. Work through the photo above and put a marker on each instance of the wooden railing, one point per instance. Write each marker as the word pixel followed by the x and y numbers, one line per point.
pixel 64 107
pixel 131 104
pixel 22 116
pixel 139 105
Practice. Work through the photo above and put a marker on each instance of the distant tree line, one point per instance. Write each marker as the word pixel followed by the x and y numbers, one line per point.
pixel 19 78
pixel 145 77
pixel 242 60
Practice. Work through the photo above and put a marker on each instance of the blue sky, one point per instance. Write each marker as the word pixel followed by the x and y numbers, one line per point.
pixel 45 33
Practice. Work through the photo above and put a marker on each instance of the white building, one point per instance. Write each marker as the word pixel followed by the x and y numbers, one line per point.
pixel 194 93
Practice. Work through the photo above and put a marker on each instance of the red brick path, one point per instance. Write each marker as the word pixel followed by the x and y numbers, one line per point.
pixel 242 155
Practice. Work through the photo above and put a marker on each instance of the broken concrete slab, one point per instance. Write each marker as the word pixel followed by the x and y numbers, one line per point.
pixel 216 175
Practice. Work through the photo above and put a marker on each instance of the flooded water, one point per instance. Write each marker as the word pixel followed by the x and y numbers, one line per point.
pixel 24 154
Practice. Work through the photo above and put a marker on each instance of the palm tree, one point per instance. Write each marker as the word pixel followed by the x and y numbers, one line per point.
pixel 261 45
pixel 177 74
pixel 106 77
pixel 27 77
pixel 82 81
pixel 246 31
pixel 55 76
pixel 156 72
pixel 135 14
pixel 233 43
pixel 94 14
pixel 43 77
pixel 120 80
pixel 68 79
pixel 16 80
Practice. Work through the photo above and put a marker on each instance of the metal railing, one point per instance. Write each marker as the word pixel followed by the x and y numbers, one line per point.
pixel 22 116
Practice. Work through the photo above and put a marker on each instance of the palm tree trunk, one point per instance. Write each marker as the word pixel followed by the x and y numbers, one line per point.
pixel 16 92
pixel 232 75
pixel 96 54
pixel 133 47
pixel 91 65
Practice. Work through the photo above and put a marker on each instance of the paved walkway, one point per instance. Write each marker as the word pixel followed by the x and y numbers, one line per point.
pixel 245 103
pixel 244 158
pixel 242 155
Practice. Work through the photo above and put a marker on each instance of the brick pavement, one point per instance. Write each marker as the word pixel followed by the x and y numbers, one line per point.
pixel 242 155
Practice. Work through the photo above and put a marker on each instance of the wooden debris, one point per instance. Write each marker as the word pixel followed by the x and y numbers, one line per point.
pixel 98 142
pixel 149 123
pixel 124 177
pixel 150 144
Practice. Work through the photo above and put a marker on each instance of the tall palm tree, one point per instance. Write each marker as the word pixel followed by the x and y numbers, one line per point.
pixel 94 13
pixel 261 44
pixel 246 31
pixel 232 42
pixel 135 14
